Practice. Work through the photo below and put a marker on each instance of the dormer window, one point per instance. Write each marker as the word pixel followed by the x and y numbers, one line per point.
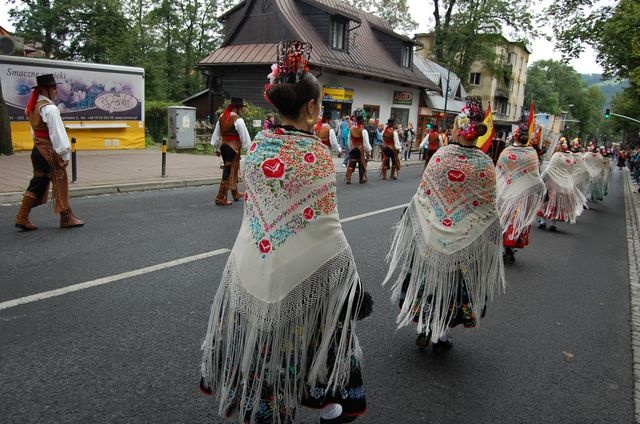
pixel 407 54
pixel 339 33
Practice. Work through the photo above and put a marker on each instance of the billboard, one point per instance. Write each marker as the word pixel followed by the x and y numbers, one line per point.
pixel 86 92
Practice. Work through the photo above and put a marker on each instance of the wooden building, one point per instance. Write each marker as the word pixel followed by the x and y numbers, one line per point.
pixel 361 62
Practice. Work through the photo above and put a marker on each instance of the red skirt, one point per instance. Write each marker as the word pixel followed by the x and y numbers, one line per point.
pixel 509 241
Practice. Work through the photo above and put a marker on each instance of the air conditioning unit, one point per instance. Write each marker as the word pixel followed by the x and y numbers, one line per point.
pixel 11 46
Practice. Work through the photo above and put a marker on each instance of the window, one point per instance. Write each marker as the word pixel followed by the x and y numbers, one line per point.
pixel 338 34
pixel 501 106
pixel 474 78
pixel 400 115
pixel 407 52
pixel 509 84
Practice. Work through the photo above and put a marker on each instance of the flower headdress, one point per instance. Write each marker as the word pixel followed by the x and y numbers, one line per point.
pixel 291 64
pixel 521 134
pixel 468 117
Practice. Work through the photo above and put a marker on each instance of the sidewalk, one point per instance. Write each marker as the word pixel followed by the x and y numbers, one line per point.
pixel 120 171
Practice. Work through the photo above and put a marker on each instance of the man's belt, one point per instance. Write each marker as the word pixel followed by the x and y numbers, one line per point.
pixel 41 134
pixel 230 138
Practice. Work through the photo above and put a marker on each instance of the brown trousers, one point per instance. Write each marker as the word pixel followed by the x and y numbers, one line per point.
pixel 48 168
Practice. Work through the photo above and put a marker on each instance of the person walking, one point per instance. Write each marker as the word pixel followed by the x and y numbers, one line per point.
pixel 390 151
pixel 326 134
pixel 345 127
pixel 49 157
pixel 269 122
pixel 282 329
pixel 445 259
pixel 359 148
pixel 229 137
pixel 409 138
pixel 430 144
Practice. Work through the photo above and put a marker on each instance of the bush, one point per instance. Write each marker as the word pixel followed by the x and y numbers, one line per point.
pixel 155 117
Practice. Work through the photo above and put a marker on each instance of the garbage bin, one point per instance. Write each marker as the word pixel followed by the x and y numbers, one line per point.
pixel 182 127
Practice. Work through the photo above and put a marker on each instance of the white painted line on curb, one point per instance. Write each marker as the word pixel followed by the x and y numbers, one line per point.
pixel 106 280
pixel 113 278
pixel 379 211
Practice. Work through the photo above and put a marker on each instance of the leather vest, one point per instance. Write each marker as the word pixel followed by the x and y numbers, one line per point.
pixel 356 136
pixel 36 121
pixel 387 137
pixel 227 128
pixel 434 141
pixel 323 135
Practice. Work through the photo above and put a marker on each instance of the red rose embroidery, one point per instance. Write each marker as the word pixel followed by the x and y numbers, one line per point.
pixel 447 222
pixel 568 161
pixel 512 156
pixel 509 181
pixel 309 157
pixel 253 147
pixel 462 157
pixel 264 246
pixel 438 160
pixel 246 196
pixel 279 131
pixel 456 176
pixel 428 191
pixel 482 174
pixel 475 203
pixel 308 214
pixel 273 168
pixel 524 171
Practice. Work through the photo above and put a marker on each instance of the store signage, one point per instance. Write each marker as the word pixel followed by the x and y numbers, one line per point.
pixel 337 94
pixel 402 97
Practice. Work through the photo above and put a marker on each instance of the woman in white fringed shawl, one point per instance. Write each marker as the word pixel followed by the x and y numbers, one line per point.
pixel 446 253
pixel 520 192
pixel 282 326
pixel 594 163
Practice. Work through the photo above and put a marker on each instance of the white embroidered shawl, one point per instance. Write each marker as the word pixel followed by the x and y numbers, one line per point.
pixel 450 228
pixel 580 173
pixel 290 273
pixel 594 163
pixel 564 201
pixel 520 188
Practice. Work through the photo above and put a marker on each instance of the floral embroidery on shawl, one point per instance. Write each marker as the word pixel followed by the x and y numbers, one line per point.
pixel 289 185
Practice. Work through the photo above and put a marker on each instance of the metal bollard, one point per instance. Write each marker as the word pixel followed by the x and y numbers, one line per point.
pixel 164 157
pixel 74 164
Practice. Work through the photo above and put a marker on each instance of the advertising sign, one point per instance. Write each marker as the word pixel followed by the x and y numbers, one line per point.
pixel 402 98
pixel 337 94
pixel 86 92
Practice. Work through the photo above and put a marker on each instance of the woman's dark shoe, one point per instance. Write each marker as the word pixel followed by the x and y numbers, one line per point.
pixel 422 341
pixel 553 228
pixel 339 419
pixel 443 345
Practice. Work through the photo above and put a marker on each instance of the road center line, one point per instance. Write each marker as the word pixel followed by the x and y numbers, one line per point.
pixel 110 279
pixel 379 211
pixel 141 271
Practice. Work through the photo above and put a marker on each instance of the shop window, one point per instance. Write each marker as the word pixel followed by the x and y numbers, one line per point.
pixel 339 34
pixel 400 115
pixel 474 78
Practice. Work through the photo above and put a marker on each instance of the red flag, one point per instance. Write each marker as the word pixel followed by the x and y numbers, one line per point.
pixel 532 121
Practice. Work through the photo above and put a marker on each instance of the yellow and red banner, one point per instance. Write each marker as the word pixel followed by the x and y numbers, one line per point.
pixel 532 121
pixel 484 142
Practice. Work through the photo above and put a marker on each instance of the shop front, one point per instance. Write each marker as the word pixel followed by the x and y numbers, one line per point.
pixel 338 100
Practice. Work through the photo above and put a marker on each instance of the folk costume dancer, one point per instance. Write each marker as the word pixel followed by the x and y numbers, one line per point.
pixel 49 157
pixel 390 151
pixel 520 192
pixel 282 329
pixel 326 134
pixel 563 202
pixel 430 144
pixel 447 247
pixel 580 173
pixel 359 149
pixel 594 162
pixel 229 137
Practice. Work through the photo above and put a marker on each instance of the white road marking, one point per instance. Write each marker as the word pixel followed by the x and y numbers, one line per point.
pixel 110 279
pixel 141 271
pixel 379 211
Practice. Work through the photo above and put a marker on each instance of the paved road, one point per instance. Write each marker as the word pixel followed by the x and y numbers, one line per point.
pixel 555 348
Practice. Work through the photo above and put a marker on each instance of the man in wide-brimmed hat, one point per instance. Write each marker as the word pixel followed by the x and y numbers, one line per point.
pixel 390 148
pixel 50 157
pixel 229 138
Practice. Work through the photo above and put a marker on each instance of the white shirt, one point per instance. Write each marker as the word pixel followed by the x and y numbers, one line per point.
pixel 333 140
pixel 242 130
pixel 51 116
pixel 396 140
pixel 425 141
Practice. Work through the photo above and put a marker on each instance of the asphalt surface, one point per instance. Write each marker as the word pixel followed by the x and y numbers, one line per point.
pixel 555 348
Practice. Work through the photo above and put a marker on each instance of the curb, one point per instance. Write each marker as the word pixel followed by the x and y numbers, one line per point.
pixel 632 215
pixel 97 190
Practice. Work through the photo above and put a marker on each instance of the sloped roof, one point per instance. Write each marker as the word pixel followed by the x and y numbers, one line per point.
pixel 438 74
pixel 366 55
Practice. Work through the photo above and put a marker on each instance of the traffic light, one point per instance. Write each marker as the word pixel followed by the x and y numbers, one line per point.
pixel 607 112
pixel 428 126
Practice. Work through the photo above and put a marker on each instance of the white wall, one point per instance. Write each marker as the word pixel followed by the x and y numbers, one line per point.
pixel 374 93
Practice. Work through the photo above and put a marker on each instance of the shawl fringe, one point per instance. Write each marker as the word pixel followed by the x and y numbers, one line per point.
pixel 435 275
pixel 520 211
pixel 250 344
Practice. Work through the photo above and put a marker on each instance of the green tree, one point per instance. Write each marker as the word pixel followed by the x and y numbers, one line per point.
pixel 625 103
pixel 396 12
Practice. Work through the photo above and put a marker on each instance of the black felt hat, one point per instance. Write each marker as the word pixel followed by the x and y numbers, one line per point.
pixel 45 80
pixel 391 122
pixel 237 101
